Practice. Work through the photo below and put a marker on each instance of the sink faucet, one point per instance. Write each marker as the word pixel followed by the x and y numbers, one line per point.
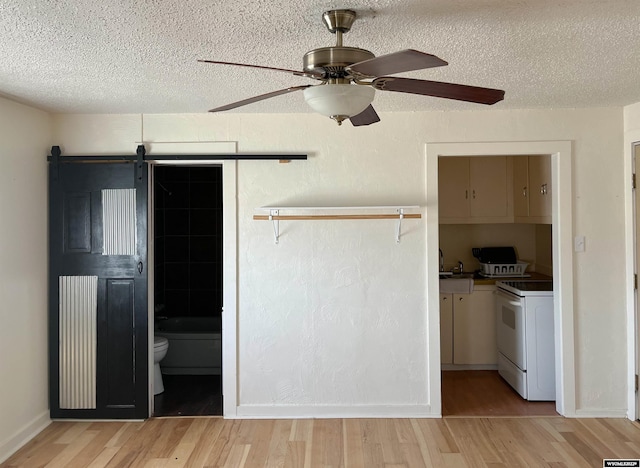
pixel 460 266
pixel 441 260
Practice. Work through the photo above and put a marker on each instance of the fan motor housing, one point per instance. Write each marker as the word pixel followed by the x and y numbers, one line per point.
pixel 333 60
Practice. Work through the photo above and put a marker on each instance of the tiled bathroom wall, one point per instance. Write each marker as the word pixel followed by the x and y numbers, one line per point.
pixel 188 240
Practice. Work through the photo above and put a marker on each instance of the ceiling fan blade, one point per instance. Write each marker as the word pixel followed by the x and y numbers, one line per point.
pixel 439 89
pixel 366 117
pixel 261 97
pixel 397 62
pixel 317 76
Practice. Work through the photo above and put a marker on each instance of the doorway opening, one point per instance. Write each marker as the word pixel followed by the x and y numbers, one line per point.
pixel 507 216
pixel 188 289
pixel 562 240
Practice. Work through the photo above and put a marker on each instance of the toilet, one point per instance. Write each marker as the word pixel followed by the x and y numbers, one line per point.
pixel 160 347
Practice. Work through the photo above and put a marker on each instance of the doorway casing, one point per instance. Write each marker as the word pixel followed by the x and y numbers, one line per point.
pixel 562 239
pixel 229 261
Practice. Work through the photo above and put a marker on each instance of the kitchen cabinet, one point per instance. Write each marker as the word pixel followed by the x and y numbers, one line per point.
pixel 473 189
pixel 540 180
pixel 446 328
pixel 474 330
pixel 532 189
pixel 467 328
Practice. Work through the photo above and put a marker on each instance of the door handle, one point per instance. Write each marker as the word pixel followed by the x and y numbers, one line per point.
pixel 140 267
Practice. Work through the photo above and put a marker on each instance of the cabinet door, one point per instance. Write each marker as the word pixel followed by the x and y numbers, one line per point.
pixel 474 326
pixel 540 180
pixel 521 185
pixel 446 329
pixel 488 177
pixel 453 187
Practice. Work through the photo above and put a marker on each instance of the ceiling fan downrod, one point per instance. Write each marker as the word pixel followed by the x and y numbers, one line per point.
pixel 339 22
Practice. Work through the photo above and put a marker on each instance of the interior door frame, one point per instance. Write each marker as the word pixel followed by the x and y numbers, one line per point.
pixel 633 338
pixel 229 258
pixel 632 249
pixel 562 220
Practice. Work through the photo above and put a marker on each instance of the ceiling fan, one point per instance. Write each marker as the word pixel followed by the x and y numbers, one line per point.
pixel 349 77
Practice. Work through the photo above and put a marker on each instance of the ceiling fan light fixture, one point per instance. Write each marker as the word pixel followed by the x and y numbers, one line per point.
pixel 339 101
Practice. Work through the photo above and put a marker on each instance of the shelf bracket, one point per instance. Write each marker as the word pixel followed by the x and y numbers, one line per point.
pixel 276 224
pixel 400 218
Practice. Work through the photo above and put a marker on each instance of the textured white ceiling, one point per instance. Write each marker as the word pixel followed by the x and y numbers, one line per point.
pixel 134 56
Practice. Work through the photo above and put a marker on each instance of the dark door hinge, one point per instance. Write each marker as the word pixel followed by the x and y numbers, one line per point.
pixel 636 382
pixel 633 181
pixel 635 281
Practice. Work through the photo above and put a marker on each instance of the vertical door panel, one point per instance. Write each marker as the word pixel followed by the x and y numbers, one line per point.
pixel 488 175
pixel 453 187
pixel 521 186
pixel 77 341
pixel 77 226
pixel 540 179
pixel 446 329
pixel 118 324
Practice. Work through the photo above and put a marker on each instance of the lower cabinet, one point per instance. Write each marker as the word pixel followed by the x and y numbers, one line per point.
pixel 468 328
pixel 446 328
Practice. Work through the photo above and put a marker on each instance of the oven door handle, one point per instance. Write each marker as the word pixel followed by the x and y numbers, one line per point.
pixel 506 297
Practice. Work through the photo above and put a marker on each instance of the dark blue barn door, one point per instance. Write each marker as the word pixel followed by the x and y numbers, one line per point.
pixel 98 290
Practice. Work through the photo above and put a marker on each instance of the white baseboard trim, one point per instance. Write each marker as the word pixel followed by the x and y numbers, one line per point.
pixel 601 413
pixel 332 411
pixel 24 435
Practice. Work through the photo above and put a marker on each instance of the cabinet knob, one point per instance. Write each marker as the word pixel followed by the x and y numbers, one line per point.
pixel 461 298
pixel 524 191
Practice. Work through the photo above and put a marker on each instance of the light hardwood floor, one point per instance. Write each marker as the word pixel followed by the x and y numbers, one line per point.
pixel 362 443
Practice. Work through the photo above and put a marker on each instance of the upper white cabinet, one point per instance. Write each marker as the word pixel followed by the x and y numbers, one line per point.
pixel 474 189
pixel 532 189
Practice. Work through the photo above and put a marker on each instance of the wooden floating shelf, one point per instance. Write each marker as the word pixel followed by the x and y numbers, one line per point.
pixel 275 216
pixel 335 216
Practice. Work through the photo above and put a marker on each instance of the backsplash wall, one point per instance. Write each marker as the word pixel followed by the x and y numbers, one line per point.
pixel 532 243
pixel 188 241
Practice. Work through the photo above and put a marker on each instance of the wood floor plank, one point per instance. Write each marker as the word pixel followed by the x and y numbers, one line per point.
pixel 414 443
pixel 237 456
pixel 326 449
pixel 104 433
pixel 222 445
pixel 352 441
pixel 204 443
pixel 277 450
pixel 295 456
pixel 614 440
pixel 41 449
pixel 259 440
pixel 103 458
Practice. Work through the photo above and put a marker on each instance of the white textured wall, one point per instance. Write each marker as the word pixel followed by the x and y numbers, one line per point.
pixel 25 136
pixel 335 315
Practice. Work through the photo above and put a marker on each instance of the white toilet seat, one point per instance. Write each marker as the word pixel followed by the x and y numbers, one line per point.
pixel 160 342
pixel 160 347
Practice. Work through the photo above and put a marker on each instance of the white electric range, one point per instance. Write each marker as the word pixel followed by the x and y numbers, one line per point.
pixel 526 355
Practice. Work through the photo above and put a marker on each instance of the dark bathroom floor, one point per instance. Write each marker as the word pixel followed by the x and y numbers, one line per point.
pixel 190 395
